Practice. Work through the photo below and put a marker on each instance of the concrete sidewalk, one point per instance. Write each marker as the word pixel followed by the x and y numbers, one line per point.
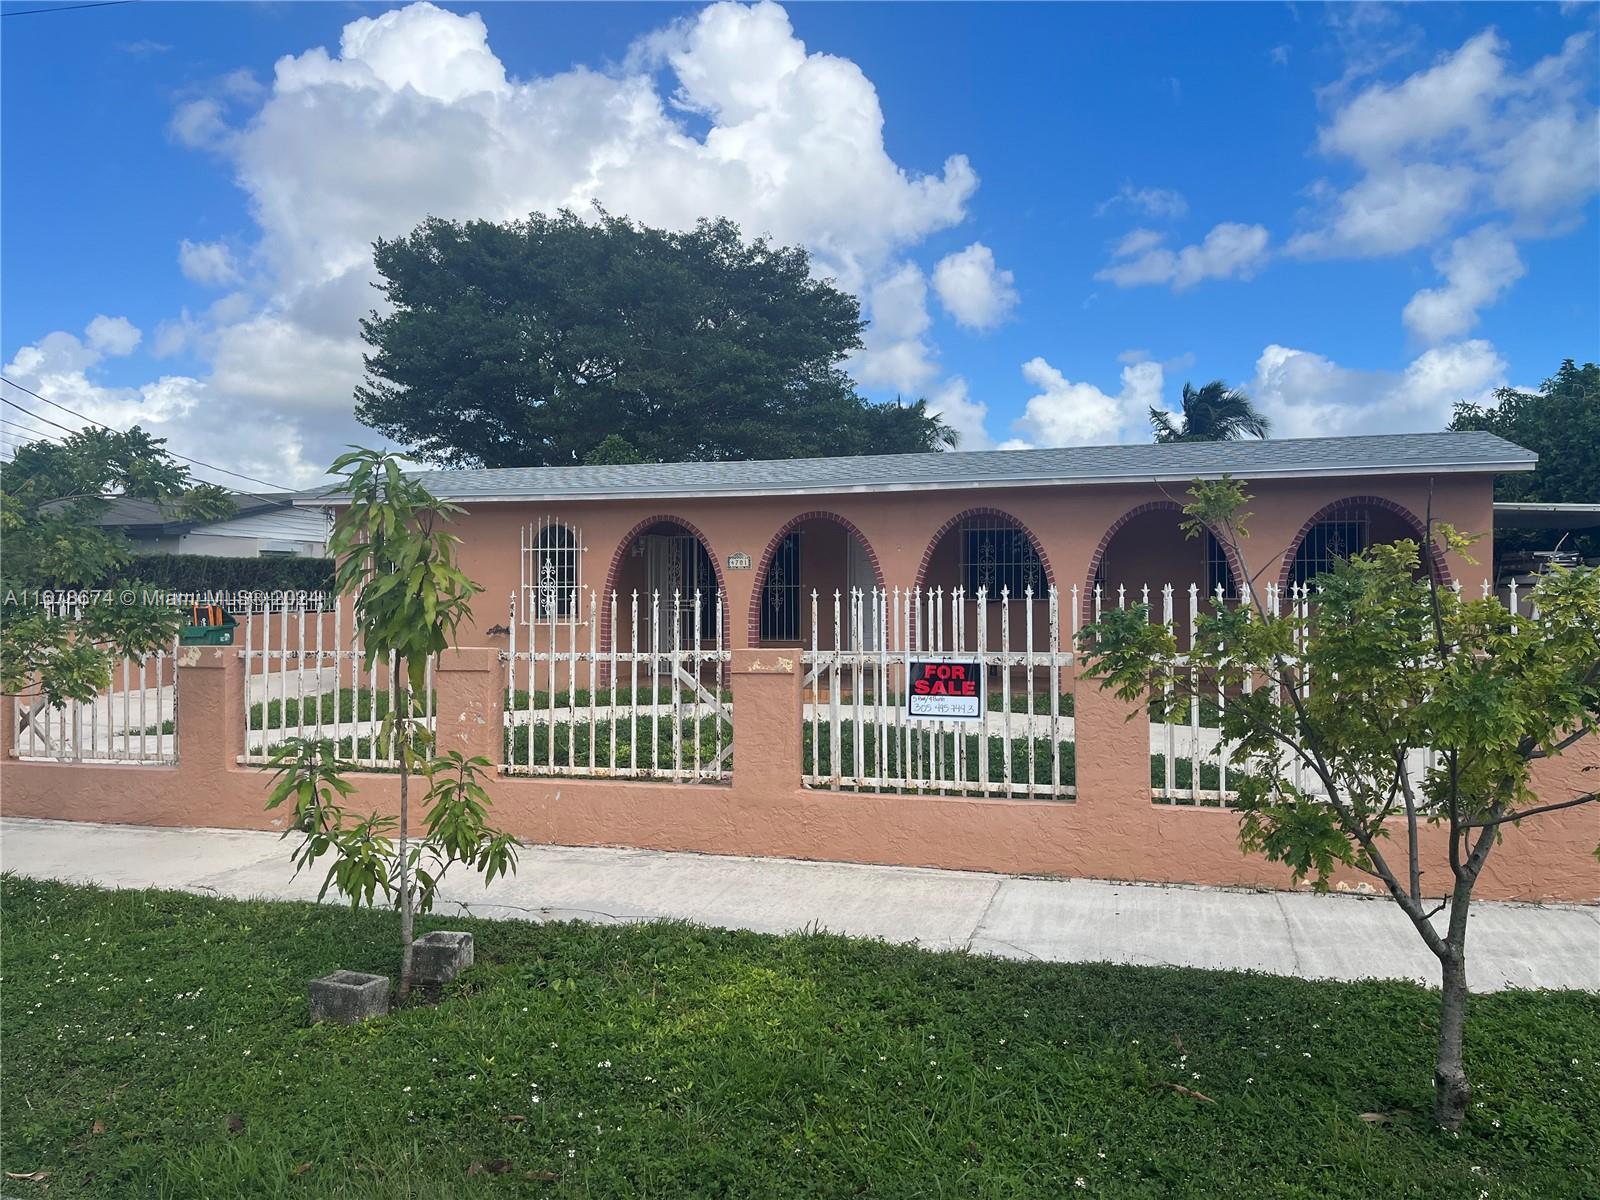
pixel 1067 920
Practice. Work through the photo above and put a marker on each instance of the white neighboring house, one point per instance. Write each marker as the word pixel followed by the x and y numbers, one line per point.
pixel 263 527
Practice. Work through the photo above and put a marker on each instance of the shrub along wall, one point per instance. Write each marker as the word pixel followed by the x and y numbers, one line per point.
pixel 206 573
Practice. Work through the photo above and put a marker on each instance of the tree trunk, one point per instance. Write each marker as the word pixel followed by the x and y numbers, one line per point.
pixel 1451 1091
pixel 406 915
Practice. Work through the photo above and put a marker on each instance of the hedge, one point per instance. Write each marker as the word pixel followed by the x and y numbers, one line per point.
pixel 207 573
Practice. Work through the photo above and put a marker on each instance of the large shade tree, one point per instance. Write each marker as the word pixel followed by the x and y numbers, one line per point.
pixel 531 342
pixel 1561 423
pixel 1213 413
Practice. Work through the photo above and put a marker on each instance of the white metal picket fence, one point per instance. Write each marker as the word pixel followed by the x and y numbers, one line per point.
pixel 306 676
pixel 650 703
pixel 1191 763
pixel 859 734
pixel 133 722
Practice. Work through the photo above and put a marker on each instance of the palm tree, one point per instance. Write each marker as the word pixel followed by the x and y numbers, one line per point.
pixel 1214 413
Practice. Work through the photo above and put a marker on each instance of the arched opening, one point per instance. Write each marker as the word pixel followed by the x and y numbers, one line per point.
pixel 1148 548
pixel 669 563
pixel 1346 528
pixel 986 552
pixel 822 553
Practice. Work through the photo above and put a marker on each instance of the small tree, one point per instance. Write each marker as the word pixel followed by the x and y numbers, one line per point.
pixel 1385 663
pixel 613 450
pixel 399 564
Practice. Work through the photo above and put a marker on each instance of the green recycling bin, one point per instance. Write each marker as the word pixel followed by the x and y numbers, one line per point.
pixel 208 625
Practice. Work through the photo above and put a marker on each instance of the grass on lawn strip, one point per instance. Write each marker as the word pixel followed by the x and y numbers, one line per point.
pixel 156 1045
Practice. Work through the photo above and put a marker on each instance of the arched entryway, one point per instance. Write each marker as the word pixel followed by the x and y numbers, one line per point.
pixel 817 552
pixel 1345 528
pixel 666 560
pixel 1147 547
pixel 987 551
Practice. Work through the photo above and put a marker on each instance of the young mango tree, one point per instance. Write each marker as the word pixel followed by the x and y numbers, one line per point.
pixel 1398 704
pixel 398 562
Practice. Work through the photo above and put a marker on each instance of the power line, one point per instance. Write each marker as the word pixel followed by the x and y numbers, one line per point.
pixel 108 428
pixel 37 417
pixel 90 420
pixel 28 12
pixel 36 433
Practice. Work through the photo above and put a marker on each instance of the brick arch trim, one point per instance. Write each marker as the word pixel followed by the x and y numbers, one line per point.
pixel 1240 574
pixel 753 629
pixel 1382 503
pixel 955 522
pixel 621 552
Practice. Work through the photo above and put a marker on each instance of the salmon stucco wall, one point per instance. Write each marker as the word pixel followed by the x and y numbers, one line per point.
pixel 1111 830
pixel 1070 525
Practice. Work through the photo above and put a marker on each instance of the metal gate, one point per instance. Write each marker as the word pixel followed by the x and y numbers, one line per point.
pixel 859 735
pixel 651 705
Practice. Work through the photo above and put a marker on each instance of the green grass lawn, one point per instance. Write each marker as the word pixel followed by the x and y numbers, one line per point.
pixel 156 1045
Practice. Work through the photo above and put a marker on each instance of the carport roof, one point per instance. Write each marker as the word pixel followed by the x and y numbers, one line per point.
pixel 1376 454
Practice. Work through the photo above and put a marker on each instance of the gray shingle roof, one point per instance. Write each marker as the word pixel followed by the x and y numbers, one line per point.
pixel 1379 454
pixel 128 512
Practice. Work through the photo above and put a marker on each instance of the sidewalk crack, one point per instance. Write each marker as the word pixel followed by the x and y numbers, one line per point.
pixel 984 915
pixel 1288 934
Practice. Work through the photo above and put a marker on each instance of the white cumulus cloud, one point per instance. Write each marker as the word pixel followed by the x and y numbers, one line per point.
pixel 1064 413
pixel 1477 268
pixel 973 289
pixel 1229 251
pixel 725 112
pixel 207 263
pixel 953 401
pixel 896 353
pixel 1309 395
pixel 1465 137
pixel 115 336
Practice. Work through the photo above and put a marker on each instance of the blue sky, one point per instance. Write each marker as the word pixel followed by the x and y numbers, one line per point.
pixel 1360 214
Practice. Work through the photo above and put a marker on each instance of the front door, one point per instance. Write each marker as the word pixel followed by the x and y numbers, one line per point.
pixel 676 566
pixel 865 579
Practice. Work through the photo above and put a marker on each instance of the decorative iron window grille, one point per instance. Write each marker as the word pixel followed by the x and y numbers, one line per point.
pixel 1219 571
pixel 780 593
pixel 1327 543
pixel 549 571
pixel 997 555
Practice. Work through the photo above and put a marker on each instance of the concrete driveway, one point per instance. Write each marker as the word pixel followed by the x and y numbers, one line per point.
pixel 1058 920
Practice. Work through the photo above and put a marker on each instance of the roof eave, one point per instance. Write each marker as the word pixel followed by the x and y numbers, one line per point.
pixel 846 489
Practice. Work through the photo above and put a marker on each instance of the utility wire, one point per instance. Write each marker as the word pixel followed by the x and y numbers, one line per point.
pixel 36 416
pixel 28 12
pixel 91 421
pixel 11 442
pixel 31 432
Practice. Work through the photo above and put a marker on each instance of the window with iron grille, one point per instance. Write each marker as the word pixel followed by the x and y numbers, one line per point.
pixel 1328 542
pixel 550 571
pixel 996 555
pixel 1219 571
pixel 780 593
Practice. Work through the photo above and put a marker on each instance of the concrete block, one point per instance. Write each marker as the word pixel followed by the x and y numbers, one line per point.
pixel 346 997
pixel 440 956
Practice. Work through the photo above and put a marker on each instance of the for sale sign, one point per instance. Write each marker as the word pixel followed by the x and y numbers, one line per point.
pixel 946 689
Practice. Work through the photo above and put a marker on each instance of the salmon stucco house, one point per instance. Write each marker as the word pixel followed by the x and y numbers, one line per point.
pixel 768 534
pixel 865 659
